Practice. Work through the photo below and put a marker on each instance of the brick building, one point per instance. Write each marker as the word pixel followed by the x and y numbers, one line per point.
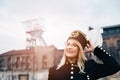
pixel 29 64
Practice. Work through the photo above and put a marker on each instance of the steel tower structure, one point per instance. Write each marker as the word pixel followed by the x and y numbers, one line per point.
pixel 34 33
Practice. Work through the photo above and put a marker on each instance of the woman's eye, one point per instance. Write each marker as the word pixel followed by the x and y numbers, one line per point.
pixel 74 45
pixel 68 44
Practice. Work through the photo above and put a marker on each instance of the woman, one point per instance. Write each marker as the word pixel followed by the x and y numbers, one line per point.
pixel 74 64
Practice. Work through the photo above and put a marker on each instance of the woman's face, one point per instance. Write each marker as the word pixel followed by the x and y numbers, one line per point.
pixel 71 49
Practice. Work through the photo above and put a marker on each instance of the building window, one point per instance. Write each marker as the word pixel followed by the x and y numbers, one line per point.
pixel 17 63
pixel 9 64
pixel 23 77
pixel 118 51
pixel 112 50
pixel 2 64
pixel 104 45
pixel 117 30
pixel 118 43
pixel 44 62
pixel 118 56
pixel 111 31
pixel 28 62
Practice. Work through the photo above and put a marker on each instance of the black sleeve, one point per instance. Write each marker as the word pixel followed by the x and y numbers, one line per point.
pixel 109 66
pixel 51 73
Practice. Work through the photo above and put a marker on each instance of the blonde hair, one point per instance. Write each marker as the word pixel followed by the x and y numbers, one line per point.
pixel 80 58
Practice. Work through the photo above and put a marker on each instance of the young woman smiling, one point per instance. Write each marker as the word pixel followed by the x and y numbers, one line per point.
pixel 74 64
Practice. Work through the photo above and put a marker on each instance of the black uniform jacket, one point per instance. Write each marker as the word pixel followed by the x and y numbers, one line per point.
pixel 92 69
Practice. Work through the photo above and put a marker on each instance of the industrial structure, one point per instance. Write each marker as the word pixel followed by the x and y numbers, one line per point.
pixel 34 31
pixel 33 62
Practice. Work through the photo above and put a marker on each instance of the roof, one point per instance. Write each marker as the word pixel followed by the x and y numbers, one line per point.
pixel 16 52
pixel 112 26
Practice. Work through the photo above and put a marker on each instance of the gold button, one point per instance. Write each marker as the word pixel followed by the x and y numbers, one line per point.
pixel 101 48
pixel 72 68
pixel 71 77
pixel 104 51
pixel 71 72
pixel 88 78
pixel 71 64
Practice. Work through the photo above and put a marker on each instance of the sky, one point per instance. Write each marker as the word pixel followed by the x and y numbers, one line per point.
pixel 57 17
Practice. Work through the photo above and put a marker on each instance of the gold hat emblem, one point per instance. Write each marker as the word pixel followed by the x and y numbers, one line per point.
pixel 75 34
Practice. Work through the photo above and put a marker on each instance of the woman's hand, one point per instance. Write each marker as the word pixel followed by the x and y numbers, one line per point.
pixel 89 48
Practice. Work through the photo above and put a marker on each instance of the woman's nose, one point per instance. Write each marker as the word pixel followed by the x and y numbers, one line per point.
pixel 68 49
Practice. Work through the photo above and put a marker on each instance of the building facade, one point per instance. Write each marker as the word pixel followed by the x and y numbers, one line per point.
pixel 111 42
pixel 32 64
